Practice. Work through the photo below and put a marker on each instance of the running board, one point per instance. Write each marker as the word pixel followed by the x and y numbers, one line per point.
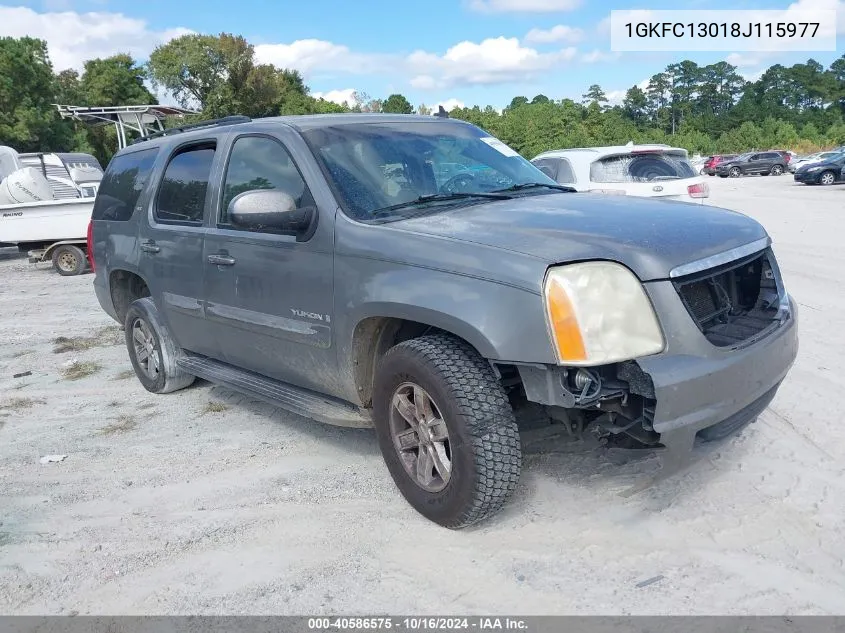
pixel 303 402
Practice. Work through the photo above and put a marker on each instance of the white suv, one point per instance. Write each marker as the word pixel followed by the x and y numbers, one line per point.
pixel 652 171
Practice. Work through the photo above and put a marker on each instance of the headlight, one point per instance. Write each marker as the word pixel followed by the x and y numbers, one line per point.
pixel 598 313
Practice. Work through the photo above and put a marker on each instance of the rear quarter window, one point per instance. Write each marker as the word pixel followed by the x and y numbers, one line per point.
pixel 640 168
pixel 122 184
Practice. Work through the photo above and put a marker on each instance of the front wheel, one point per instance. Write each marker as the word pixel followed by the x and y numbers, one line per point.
pixel 735 172
pixel 68 260
pixel 827 178
pixel 446 430
pixel 776 170
pixel 152 350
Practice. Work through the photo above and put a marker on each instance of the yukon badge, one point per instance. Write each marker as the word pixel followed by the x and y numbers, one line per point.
pixel 311 315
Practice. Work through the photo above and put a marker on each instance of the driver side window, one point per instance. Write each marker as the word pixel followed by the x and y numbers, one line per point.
pixel 259 162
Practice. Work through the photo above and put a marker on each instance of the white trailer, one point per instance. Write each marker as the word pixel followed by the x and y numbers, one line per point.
pixel 43 230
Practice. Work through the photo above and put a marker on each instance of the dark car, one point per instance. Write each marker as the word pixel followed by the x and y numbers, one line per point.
pixel 824 172
pixel 714 161
pixel 762 163
pixel 417 275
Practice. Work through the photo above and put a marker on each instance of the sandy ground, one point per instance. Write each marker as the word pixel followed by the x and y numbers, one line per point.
pixel 169 505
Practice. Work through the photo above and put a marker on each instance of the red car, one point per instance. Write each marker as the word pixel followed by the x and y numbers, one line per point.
pixel 711 163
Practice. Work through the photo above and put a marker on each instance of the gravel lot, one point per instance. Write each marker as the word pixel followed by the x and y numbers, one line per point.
pixel 204 502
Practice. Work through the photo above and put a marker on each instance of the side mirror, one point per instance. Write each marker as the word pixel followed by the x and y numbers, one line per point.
pixel 268 209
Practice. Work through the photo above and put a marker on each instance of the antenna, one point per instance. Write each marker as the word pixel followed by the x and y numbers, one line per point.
pixel 441 112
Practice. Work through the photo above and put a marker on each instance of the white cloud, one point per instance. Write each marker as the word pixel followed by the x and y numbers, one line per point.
pixel 616 97
pixel 493 61
pixel 72 38
pixel 523 6
pixel 448 105
pixel 559 33
pixel 346 95
pixel 597 55
pixel 744 59
pixel 319 56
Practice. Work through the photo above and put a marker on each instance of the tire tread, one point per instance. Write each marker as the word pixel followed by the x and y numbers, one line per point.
pixel 488 417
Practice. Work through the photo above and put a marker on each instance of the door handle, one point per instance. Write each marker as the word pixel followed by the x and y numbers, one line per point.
pixel 149 247
pixel 221 260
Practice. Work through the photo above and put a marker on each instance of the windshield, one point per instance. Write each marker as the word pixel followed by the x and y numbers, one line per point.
pixel 381 166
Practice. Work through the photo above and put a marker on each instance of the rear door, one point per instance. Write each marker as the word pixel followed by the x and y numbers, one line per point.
pixel 171 242
pixel 270 302
pixel 754 164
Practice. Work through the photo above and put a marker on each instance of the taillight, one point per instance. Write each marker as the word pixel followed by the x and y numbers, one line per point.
pixel 699 190
pixel 90 244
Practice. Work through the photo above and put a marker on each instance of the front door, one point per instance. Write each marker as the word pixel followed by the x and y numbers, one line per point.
pixel 269 295
pixel 171 244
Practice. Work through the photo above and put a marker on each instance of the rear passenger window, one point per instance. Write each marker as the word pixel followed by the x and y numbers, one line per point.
pixel 258 162
pixel 122 184
pixel 564 172
pixel 181 196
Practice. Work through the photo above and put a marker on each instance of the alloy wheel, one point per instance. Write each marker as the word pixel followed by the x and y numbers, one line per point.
pixel 827 178
pixel 146 349
pixel 420 437
pixel 734 172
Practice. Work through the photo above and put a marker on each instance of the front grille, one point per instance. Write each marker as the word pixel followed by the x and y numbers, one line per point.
pixel 734 302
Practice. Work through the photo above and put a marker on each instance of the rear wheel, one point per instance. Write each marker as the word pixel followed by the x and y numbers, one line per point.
pixel 735 172
pixel 827 178
pixel 152 350
pixel 776 170
pixel 68 260
pixel 446 430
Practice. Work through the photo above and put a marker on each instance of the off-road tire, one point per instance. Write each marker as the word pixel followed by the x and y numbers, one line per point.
pixel 170 377
pixel 776 170
pixel 486 454
pixel 69 260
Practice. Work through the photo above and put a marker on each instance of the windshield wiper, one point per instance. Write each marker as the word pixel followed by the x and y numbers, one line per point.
pixel 437 197
pixel 533 185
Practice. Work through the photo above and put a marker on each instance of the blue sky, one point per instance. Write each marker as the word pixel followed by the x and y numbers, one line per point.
pixel 433 51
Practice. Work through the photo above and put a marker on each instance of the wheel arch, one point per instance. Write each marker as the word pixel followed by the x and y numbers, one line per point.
pixel 389 324
pixel 48 252
pixel 125 286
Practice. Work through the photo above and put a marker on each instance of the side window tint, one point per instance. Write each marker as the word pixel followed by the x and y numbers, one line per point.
pixel 258 162
pixel 547 166
pixel 565 173
pixel 122 184
pixel 181 196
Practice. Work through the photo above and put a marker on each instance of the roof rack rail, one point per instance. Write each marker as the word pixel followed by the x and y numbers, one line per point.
pixel 226 120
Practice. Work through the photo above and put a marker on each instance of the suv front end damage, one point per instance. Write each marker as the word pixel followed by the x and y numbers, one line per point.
pixel 729 338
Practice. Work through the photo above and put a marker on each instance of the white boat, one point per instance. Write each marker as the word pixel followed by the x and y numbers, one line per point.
pixel 46 199
pixel 34 223
pixel 45 208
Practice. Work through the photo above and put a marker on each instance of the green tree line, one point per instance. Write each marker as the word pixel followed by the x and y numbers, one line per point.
pixel 706 109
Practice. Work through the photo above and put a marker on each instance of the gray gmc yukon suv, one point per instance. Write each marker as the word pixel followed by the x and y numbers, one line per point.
pixel 417 275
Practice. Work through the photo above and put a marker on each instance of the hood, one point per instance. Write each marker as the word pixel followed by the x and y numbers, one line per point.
pixel 648 236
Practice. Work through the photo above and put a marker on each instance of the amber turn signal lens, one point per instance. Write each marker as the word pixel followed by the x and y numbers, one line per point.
pixel 564 323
